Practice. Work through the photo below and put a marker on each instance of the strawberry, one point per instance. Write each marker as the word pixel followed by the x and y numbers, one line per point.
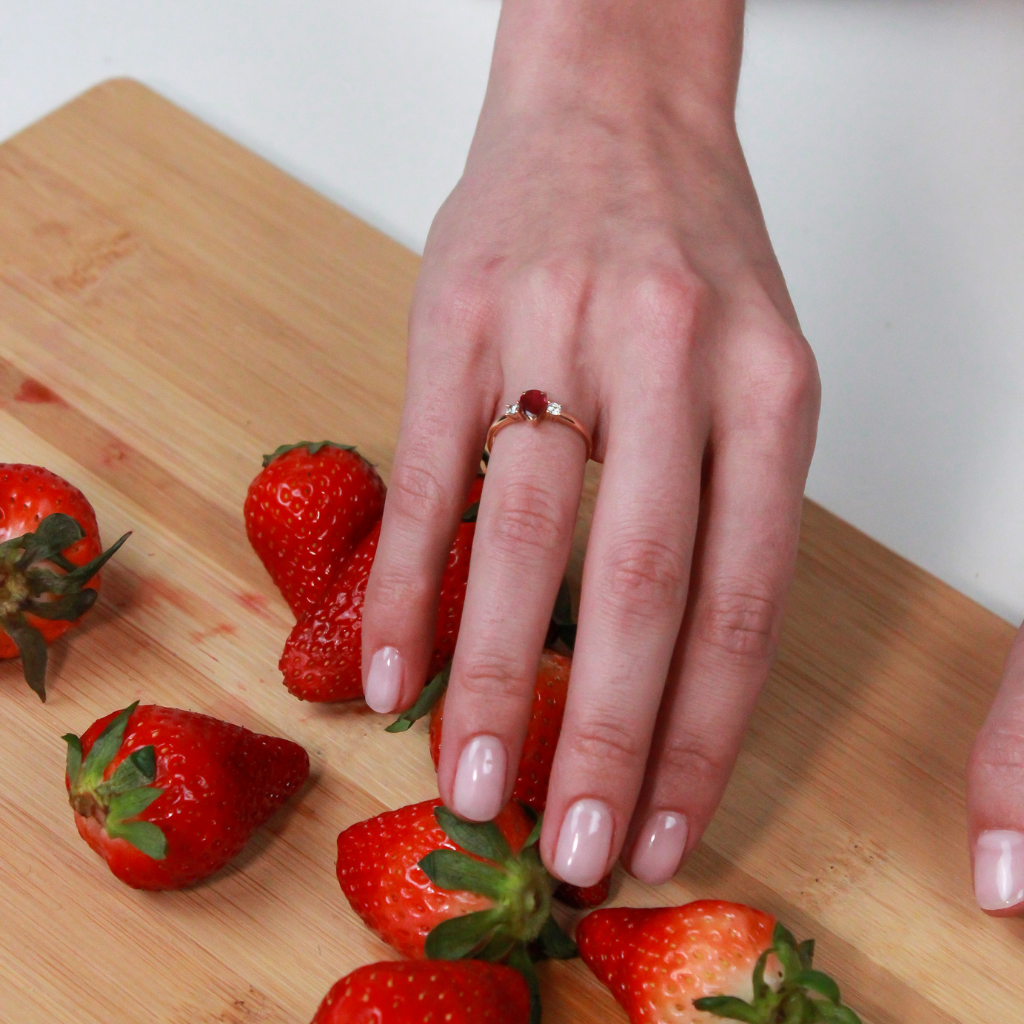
pixel 435 886
pixel 168 797
pixel 459 992
pixel 306 511
pixel 584 897
pixel 322 658
pixel 50 554
pixel 531 785
pixel 677 965
pixel 549 694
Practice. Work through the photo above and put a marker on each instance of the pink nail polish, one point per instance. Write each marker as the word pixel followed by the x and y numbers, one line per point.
pixel 584 843
pixel 479 789
pixel 999 870
pixel 384 680
pixel 659 849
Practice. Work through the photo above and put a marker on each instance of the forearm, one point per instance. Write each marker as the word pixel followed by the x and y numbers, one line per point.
pixel 615 54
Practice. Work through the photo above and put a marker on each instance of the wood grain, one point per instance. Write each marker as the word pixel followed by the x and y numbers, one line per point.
pixel 171 306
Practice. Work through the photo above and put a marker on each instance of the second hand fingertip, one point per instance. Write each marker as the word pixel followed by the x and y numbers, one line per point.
pixel 999 870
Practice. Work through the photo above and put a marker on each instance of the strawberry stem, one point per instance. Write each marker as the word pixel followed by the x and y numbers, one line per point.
pixel 114 802
pixel 28 586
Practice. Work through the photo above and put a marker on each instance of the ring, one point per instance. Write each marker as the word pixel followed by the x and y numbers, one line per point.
pixel 533 407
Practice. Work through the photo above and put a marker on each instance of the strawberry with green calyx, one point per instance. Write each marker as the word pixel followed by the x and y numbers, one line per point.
pixel 803 994
pixel 461 992
pixel 710 957
pixel 435 886
pixel 542 731
pixel 50 557
pixel 322 659
pixel 168 797
pixel 305 512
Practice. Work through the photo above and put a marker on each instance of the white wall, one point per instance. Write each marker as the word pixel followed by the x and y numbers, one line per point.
pixel 886 138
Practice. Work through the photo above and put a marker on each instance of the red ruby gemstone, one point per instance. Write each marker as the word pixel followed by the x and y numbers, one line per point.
pixel 533 402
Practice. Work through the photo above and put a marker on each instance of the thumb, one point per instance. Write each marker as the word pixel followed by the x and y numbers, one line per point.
pixel 995 795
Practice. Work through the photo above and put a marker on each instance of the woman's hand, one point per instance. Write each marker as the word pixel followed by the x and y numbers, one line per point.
pixel 995 795
pixel 605 245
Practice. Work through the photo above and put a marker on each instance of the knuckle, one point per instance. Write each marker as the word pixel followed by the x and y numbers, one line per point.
pixel 784 380
pixel 667 301
pixel 416 489
pixel 463 308
pixel 999 753
pixel 527 516
pixel 645 575
pixel 684 759
pixel 738 622
pixel 493 677
pixel 554 285
pixel 607 739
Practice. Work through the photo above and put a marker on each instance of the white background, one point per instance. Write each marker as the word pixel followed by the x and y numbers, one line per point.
pixel 886 138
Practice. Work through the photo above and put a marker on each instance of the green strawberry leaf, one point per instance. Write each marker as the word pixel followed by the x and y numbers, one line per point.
pixel 81 574
pixel 137 769
pixel 454 871
pixel 429 696
pixel 68 606
pixel 729 1007
pixel 806 953
pixel 482 838
pixel 837 1014
pixel 519 960
pixel 469 516
pixel 311 446
pixel 819 982
pixel 555 943
pixel 784 947
pixel 460 937
pixel 32 648
pixel 126 805
pixel 534 837
pixel 760 985
pixel 74 764
pixel 102 752
pixel 52 536
pixel 143 835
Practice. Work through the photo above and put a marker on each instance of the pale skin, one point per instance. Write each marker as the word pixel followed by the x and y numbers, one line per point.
pixel 605 244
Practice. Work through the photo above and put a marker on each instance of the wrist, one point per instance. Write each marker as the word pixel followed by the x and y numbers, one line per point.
pixel 620 56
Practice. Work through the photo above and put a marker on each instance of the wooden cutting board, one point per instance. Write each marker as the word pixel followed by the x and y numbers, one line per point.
pixel 171 306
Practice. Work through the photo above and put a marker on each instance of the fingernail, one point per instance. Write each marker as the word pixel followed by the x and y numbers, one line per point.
pixel 584 843
pixel 384 680
pixel 659 849
pixel 999 870
pixel 479 788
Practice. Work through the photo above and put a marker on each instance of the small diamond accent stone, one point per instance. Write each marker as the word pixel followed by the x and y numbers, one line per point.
pixel 511 410
pixel 554 409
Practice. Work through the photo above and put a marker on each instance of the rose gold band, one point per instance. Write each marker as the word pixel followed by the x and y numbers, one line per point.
pixel 533 407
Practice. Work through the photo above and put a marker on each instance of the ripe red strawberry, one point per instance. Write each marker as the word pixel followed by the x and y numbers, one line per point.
pixel 448 992
pixel 433 885
pixel 584 897
pixel 168 797
pixel 552 687
pixel 707 959
pixel 50 554
pixel 306 511
pixel 531 785
pixel 322 658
